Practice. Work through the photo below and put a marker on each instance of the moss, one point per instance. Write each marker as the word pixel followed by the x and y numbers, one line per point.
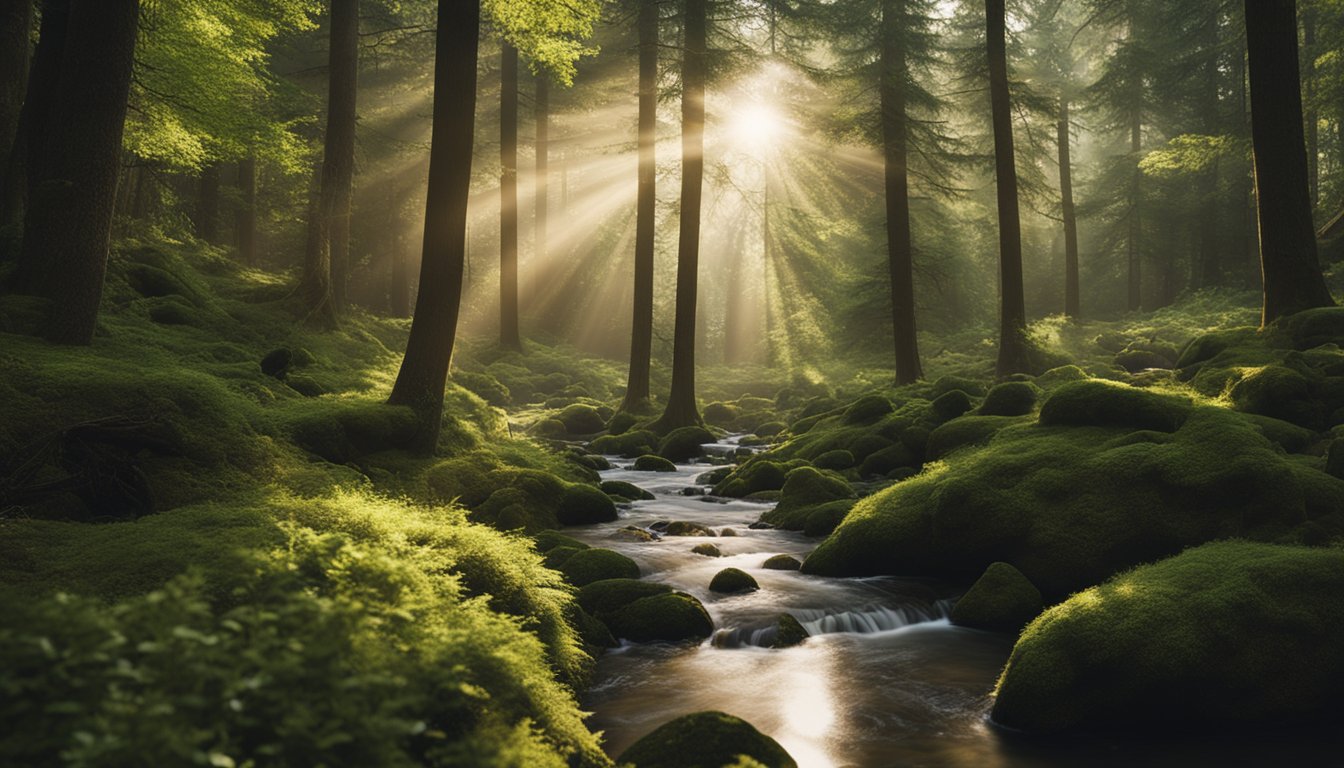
pixel 757 475
pixel 1334 458
pixel 552 429
pixel 1207 346
pixel 621 423
pixel 1002 600
pixel 788 632
pixel 721 414
pixel 484 386
pixel 1310 328
pixel 838 460
pixel 545 541
pixel 867 409
pixel 770 428
pixel 1137 360
pixel 1014 398
pixel 465 478
pixel 650 463
pixel 707 550
pixel 342 432
pixel 580 419
pixel 684 444
pixel 1098 403
pixel 732 581
pixel 805 489
pixel 1070 506
pixel 881 463
pixel 823 519
pixel 705 739
pixel 781 563
pixel 950 405
pixel 1061 375
pixel 1231 632
pixel 966 431
pixel 627 445
pixel 589 565
pixel 685 528
pixel 668 618
pixel 946 384
pixel 1280 392
pixel 626 490
pixel 1290 437
pixel 605 597
pixel 584 505
pixel 558 556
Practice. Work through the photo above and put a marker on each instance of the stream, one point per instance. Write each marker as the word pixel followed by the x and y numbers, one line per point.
pixel 884 680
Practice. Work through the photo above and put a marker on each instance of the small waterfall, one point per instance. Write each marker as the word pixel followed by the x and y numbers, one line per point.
pixel 819 621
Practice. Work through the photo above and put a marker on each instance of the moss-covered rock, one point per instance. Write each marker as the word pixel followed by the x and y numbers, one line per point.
pixel 670 618
pixel 1281 392
pixel 805 489
pixel 757 475
pixel 732 581
pixel 687 528
pixel 1002 600
pixel 1136 360
pixel 621 423
pixel 1098 403
pixel 945 384
pixel 604 597
pixel 966 431
pixel 581 419
pixel 484 386
pixel 881 463
pixel 558 556
pixel 838 460
pixel 770 428
pixel 867 409
pixel 551 429
pixel 1011 398
pixel 706 550
pixel 684 444
pixel 781 563
pixel 825 518
pixel 705 739
pixel 583 505
pixel 545 541
pixel 1070 506
pixel 1231 632
pixel 627 445
pixel 650 463
pixel 465 478
pixel 788 632
pixel 950 405
pixel 589 565
pixel 721 414
pixel 626 490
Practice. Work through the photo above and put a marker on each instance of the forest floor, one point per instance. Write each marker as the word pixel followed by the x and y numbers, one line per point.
pixel 206 515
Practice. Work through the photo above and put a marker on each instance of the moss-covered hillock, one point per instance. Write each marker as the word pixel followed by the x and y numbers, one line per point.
pixel 705 739
pixel 684 444
pixel 805 490
pixel 1002 599
pixel 1227 633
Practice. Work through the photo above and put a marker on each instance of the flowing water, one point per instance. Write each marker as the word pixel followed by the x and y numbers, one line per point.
pixel 884 680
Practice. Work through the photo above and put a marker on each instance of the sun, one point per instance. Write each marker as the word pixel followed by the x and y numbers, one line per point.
pixel 755 124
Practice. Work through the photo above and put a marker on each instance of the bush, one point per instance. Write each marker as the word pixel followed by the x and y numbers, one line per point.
pixel 705 739
pixel 1232 632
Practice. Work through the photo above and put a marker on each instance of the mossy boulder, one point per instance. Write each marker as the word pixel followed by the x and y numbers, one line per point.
pixel 781 563
pixel 484 386
pixel 589 565
pixel 621 422
pixel 627 445
pixel 558 556
pixel 806 489
pixel 788 632
pixel 705 739
pixel 686 528
pixel 881 463
pixel 684 444
pixel 838 460
pixel 950 405
pixel 465 478
pixel 552 429
pixel 1098 403
pixel 706 550
pixel 1071 506
pixel 945 384
pixel 867 409
pixel 649 463
pixel 1011 398
pixel 1227 633
pixel 732 581
pixel 670 618
pixel 1002 600
pixel 721 414
pixel 1136 360
pixel 580 419
pixel 583 505
pixel 1282 393
pixel 605 597
pixel 770 428
pixel 823 519
pixel 757 475
pixel 545 541
pixel 965 431
pixel 626 490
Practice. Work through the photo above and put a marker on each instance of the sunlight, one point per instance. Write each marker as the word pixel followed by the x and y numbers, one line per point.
pixel 755 125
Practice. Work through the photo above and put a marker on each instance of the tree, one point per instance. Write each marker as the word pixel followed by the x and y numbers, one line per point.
pixel 641 332
pixel 206 217
pixel 681 409
pixel 541 177
pixel 1012 305
pixel 69 217
pixel 326 260
pixel 1288 258
pixel 429 349
pixel 16 24
pixel 245 216
pixel 509 337
pixel 1072 298
pixel 27 152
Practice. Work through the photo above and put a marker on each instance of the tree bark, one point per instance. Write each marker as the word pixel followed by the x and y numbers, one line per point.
pixel 207 204
pixel 1312 119
pixel 16 24
pixel 429 349
pixel 1134 240
pixel 641 329
pixel 69 217
pixel 399 292
pixel 1012 304
pixel 28 150
pixel 327 260
pixel 895 153
pixel 245 217
pixel 681 410
pixel 509 336
pixel 1072 299
pixel 542 177
pixel 1288 258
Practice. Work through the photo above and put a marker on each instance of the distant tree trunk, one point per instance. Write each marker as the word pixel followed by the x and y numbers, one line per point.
pixel 509 337
pixel 1209 271
pixel 542 177
pixel 16 23
pixel 734 351
pixel 28 153
pixel 327 260
pixel 1312 119
pixel 207 204
pixel 768 259
pixel 1072 300
pixel 424 370
pixel 1133 241
pixel 681 410
pixel 900 250
pixel 1288 258
pixel 1013 313
pixel 641 330
pixel 399 292
pixel 245 217
pixel 69 217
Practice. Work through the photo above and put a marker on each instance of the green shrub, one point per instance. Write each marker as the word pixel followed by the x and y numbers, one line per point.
pixel 705 739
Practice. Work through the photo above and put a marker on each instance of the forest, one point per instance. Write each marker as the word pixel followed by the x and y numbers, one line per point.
pixel 671 383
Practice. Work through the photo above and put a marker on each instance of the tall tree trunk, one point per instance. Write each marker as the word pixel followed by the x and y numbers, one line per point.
pixel 1012 304
pixel 900 250
pixel 399 291
pixel 509 337
pixel 1133 241
pixel 641 329
pixel 207 204
pixel 327 259
pixel 429 349
pixel 69 217
pixel 1209 271
pixel 29 149
pixel 542 178
pixel 16 23
pixel 245 217
pixel 1072 300
pixel 768 261
pixel 1312 119
pixel 1288 258
pixel 681 410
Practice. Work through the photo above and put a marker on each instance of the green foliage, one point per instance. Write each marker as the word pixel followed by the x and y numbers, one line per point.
pixel 1231 632
pixel 705 739
pixel 1189 155
pixel 549 32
